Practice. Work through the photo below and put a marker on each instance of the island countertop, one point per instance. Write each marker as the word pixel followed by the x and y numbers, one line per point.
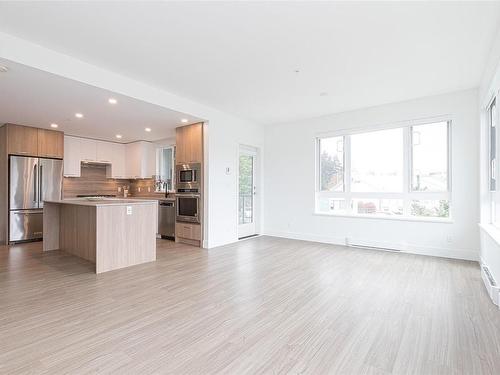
pixel 102 202
pixel 111 233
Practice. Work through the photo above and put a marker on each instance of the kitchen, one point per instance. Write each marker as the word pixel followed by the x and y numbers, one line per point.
pixel 78 162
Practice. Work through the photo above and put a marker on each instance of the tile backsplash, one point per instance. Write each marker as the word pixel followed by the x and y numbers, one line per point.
pixel 93 181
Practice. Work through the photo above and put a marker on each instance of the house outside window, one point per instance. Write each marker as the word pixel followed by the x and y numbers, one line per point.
pixel 397 172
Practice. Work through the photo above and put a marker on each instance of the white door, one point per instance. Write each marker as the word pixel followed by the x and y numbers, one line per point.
pixel 246 192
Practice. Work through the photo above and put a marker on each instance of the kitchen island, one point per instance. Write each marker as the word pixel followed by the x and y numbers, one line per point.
pixel 111 233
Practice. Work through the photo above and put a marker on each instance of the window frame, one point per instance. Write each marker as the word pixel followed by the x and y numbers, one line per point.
pixel 493 170
pixel 157 162
pixel 407 195
pixel 318 175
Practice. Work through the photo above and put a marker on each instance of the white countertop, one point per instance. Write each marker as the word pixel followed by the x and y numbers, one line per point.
pixel 103 201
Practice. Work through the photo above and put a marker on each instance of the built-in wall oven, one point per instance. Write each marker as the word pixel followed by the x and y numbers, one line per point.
pixel 188 208
pixel 188 176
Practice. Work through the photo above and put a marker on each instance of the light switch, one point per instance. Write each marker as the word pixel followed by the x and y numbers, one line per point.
pixel 129 210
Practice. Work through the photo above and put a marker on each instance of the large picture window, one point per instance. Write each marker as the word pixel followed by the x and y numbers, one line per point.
pixel 397 172
pixel 376 161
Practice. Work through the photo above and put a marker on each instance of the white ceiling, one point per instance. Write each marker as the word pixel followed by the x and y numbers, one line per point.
pixel 241 57
pixel 32 97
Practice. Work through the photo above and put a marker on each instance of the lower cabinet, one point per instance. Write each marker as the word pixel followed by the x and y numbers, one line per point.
pixel 189 232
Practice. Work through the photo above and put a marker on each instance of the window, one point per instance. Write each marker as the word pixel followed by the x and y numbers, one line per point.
pixel 430 157
pixel 398 172
pixel 164 179
pixel 493 167
pixel 376 161
pixel 331 160
pixel 493 143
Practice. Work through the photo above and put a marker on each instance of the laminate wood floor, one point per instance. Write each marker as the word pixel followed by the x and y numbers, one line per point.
pixel 261 306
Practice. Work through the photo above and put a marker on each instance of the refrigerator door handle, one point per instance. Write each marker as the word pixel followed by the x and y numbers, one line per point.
pixel 35 182
pixel 40 186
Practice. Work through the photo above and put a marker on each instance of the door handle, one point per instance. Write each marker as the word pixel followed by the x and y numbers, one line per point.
pixel 34 183
pixel 40 185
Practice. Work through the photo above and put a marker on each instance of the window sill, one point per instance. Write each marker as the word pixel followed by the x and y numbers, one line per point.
pixel 394 218
pixel 492 231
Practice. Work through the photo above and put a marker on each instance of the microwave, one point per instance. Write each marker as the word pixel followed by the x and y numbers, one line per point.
pixel 188 175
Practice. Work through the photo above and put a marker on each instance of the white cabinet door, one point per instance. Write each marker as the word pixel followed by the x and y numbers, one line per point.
pixel 133 160
pixel 88 149
pixel 151 163
pixel 118 160
pixel 104 152
pixel 139 160
pixel 72 156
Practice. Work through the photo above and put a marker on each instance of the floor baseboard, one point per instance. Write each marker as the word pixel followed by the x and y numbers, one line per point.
pixel 491 285
pixel 462 254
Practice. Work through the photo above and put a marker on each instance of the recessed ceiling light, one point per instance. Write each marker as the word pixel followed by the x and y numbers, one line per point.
pixel 3 69
pixel 323 94
pixel 119 136
pixel 147 129
pixel 296 71
pixel 112 101
pixel 184 120
pixel 78 115
pixel 54 126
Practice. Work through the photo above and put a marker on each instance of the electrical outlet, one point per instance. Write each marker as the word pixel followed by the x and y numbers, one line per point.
pixel 119 189
pixel 449 239
pixel 139 189
pixel 129 210
pixel 149 189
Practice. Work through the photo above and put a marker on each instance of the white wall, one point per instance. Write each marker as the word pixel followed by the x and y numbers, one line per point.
pixel 223 148
pixel 290 175
pixel 224 132
pixel 490 236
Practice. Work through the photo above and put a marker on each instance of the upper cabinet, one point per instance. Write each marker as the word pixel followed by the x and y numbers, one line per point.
pixel 140 159
pixel 125 161
pixel 72 151
pixel 88 149
pixel 50 144
pixel 117 168
pixel 22 140
pixel 25 140
pixel 189 144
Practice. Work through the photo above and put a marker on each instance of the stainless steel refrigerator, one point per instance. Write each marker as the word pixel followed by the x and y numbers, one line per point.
pixel 31 181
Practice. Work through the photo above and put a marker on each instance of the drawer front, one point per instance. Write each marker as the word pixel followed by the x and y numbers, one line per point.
pixel 188 231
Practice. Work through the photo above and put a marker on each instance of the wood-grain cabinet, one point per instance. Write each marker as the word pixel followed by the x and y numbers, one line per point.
pixel 189 144
pixel 189 149
pixel 188 231
pixel 29 141
pixel 125 161
pixel 50 144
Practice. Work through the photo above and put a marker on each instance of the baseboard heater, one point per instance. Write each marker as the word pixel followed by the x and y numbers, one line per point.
pixel 491 286
pixel 366 245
